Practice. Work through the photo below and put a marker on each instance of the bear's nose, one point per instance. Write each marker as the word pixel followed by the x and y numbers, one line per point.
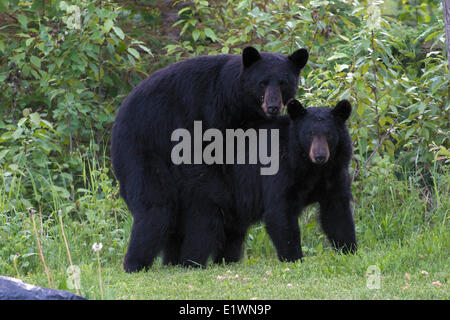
pixel 272 110
pixel 320 159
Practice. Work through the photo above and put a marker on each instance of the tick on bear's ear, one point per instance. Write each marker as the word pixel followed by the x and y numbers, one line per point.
pixel 299 58
pixel 249 56
pixel 342 110
pixel 295 109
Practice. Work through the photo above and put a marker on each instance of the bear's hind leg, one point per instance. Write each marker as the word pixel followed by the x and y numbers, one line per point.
pixel 231 250
pixel 202 236
pixel 149 234
pixel 152 200
pixel 171 252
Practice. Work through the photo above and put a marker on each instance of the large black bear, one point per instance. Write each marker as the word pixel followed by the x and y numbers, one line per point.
pixel 223 91
pixel 315 152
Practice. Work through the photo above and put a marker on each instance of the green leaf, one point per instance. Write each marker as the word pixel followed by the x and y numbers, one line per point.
pixel 146 49
pixel 35 118
pixel 35 61
pixel 315 4
pixel 107 26
pixel 21 121
pixel 344 38
pixel 389 147
pixel 23 20
pixel 119 32
pixel 6 136
pixel 410 132
pixel 210 34
pixel 426 133
pixel 434 34
pixel 184 10
pixel 360 109
pixel 17 134
pixel 442 152
pixel 341 67
pixel 337 56
pixel 134 52
pixel 195 34
pixel 47 125
pixel 3 153
pixel 171 48
pixel 29 41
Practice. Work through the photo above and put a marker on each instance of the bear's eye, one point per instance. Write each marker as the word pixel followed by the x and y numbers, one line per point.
pixel 263 83
pixel 282 82
pixel 311 133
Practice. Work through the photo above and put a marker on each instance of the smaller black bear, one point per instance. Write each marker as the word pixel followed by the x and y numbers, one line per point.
pixel 315 153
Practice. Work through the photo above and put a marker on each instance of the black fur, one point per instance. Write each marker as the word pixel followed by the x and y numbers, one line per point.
pixel 279 199
pixel 172 205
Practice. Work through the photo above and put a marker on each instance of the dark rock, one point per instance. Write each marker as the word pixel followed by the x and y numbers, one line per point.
pixel 15 289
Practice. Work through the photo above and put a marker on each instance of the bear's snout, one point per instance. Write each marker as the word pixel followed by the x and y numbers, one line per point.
pixel 319 152
pixel 272 110
pixel 320 158
pixel 272 103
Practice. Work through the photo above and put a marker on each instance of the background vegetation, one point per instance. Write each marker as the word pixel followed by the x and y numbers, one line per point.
pixel 65 67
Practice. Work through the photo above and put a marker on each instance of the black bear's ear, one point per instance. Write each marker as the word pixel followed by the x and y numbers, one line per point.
pixel 295 109
pixel 342 110
pixel 249 56
pixel 299 58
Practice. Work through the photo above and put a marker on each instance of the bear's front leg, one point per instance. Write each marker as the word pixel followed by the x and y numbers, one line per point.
pixel 337 222
pixel 284 231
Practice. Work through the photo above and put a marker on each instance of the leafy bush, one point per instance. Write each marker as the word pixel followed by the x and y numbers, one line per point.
pixel 64 70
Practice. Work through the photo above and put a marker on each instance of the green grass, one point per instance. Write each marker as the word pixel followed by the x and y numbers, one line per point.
pixel 401 222
pixel 327 275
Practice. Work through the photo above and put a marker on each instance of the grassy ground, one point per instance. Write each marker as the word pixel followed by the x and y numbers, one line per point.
pixel 416 269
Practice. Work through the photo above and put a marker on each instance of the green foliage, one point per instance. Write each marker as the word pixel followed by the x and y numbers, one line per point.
pixel 92 213
pixel 70 65
pixel 64 70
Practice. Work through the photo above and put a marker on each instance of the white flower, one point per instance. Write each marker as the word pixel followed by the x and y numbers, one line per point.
pixel 97 247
